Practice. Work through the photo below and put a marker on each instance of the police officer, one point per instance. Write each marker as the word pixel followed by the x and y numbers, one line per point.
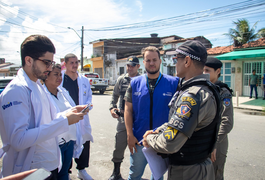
pixel 189 136
pixel 218 156
pixel 120 88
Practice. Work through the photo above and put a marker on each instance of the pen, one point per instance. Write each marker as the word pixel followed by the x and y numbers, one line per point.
pixel 140 142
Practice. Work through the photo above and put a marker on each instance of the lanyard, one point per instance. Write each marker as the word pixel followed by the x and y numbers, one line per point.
pixel 156 81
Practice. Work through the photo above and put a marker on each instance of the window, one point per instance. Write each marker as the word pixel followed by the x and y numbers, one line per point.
pixel 226 74
pixel 121 70
pixel 248 68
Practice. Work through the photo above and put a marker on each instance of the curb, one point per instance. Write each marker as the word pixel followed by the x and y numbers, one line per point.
pixel 245 108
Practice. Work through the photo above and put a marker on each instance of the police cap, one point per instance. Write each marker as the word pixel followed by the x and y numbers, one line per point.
pixel 192 48
pixel 213 63
pixel 132 60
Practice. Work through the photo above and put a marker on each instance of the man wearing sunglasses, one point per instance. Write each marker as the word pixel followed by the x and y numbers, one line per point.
pixel 132 66
pixel 29 124
pixel 190 134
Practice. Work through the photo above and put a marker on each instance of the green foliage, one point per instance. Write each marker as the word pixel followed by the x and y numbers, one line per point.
pixel 242 33
pixel 261 33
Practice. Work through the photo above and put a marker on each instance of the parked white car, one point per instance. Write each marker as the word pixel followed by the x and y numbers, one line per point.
pixel 97 83
pixel 4 81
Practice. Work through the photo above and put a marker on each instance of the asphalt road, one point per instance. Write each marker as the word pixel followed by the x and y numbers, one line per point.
pixel 104 130
pixel 246 156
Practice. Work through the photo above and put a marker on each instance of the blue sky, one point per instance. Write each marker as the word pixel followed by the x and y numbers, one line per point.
pixel 21 18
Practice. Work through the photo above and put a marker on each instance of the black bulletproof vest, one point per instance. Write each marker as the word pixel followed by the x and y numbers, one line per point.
pixel 221 85
pixel 200 145
pixel 124 83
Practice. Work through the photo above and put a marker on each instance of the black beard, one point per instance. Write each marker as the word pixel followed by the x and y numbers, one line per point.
pixel 152 72
pixel 37 73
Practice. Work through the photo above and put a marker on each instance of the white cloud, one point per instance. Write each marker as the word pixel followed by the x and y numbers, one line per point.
pixel 140 5
pixel 213 35
pixel 10 45
pixel 83 12
pixel 7 12
pixel 44 17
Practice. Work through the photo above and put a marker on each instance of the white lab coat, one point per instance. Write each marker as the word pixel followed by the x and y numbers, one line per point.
pixel 20 130
pixel 85 97
pixel 79 139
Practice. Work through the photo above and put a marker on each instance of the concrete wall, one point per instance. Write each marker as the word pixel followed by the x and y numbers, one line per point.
pixel 238 79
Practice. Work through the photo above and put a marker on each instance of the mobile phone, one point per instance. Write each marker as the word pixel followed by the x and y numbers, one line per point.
pixel 41 174
pixel 117 112
pixel 87 106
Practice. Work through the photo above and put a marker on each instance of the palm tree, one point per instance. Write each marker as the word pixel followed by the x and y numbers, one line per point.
pixel 242 33
pixel 262 32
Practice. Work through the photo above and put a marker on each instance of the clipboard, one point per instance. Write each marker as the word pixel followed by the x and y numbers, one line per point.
pixel 157 164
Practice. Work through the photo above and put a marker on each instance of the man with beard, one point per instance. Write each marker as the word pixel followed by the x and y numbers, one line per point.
pixel 29 124
pixel 190 134
pixel 146 101
pixel 132 66
pixel 80 91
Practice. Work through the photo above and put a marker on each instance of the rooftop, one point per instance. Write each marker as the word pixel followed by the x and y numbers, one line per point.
pixel 225 49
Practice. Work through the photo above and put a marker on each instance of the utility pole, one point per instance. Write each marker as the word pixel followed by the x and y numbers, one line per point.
pixel 82 48
pixel 82 44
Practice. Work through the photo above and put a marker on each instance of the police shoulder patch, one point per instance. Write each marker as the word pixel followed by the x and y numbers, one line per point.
pixel 227 101
pixel 189 99
pixel 170 133
pixel 183 111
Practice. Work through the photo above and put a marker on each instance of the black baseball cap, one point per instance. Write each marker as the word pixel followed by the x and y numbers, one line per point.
pixel 213 62
pixel 192 48
pixel 132 60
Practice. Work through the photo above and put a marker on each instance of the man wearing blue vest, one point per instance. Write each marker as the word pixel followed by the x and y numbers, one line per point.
pixel 146 107
pixel 190 134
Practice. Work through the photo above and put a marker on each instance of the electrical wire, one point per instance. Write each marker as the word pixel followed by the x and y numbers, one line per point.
pixel 187 17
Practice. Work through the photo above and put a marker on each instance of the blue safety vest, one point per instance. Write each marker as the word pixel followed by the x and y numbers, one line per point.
pixel 150 110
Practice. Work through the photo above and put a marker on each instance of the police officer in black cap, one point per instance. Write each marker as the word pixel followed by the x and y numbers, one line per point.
pixel 218 156
pixel 190 134
pixel 132 66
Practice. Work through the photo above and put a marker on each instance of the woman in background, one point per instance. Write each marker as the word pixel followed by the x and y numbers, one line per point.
pixel 70 142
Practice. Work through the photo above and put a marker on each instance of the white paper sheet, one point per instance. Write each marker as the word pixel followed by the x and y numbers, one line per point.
pixel 157 164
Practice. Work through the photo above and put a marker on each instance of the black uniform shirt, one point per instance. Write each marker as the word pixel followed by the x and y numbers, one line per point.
pixel 72 87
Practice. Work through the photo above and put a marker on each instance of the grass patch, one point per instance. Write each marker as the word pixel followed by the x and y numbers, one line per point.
pixel 256 102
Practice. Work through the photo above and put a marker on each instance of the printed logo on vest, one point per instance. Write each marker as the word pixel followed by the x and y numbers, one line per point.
pixel 137 93
pixel 167 94
pixel 11 104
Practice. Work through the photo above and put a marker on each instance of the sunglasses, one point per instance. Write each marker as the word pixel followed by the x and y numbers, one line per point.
pixel 48 63
pixel 175 59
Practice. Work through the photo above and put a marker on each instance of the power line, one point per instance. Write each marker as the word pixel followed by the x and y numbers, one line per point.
pixel 26 14
pixel 232 14
pixel 192 16
pixel 28 27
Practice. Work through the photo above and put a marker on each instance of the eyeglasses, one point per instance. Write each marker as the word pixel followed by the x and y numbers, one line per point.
pixel 175 59
pixel 48 63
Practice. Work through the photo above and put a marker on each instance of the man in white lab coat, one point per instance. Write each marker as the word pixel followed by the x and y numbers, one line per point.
pixel 79 89
pixel 29 124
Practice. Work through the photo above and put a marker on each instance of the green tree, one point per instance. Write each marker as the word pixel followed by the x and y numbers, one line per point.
pixel 261 32
pixel 242 33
